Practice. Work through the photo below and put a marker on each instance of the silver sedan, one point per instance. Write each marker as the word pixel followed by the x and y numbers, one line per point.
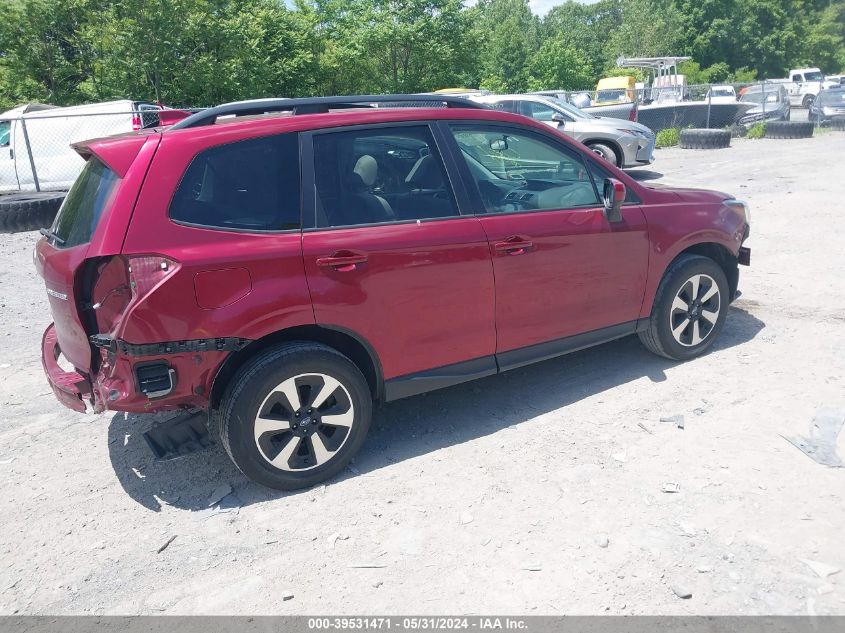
pixel 623 143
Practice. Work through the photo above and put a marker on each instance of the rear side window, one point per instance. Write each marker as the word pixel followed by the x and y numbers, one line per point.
pixel 81 211
pixel 248 186
pixel 5 130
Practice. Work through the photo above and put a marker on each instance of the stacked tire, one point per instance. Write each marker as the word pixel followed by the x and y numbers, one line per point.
pixel 705 139
pixel 28 211
pixel 838 123
pixel 789 129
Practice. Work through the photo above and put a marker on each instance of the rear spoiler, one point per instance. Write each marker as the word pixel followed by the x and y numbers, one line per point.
pixel 116 152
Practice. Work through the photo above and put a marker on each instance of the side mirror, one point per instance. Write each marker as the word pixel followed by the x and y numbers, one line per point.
pixel 614 196
pixel 558 118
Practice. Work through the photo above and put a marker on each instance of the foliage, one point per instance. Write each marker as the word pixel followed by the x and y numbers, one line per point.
pixel 668 137
pixel 758 130
pixel 202 52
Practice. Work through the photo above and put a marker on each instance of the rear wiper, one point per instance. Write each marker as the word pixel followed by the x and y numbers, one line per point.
pixel 51 235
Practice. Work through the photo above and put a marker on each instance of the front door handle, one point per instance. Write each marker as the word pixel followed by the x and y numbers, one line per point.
pixel 342 261
pixel 514 245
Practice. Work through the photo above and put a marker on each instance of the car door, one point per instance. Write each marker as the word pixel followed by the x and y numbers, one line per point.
pixel 8 175
pixel 562 269
pixel 389 257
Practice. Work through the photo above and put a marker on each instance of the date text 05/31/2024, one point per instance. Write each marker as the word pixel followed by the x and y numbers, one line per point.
pixel 417 623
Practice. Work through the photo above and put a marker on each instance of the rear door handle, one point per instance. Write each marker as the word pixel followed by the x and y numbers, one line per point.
pixel 515 245
pixel 342 261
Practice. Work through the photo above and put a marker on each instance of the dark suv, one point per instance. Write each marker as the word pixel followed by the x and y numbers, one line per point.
pixel 281 265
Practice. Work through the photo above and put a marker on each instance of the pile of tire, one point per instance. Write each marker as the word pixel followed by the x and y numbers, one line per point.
pixel 838 123
pixel 705 139
pixel 28 211
pixel 789 129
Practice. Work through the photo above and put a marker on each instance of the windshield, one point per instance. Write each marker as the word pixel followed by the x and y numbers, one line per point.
pixel 5 130
pixel 813 76
pixel 571 109
pixel 759 97
pixel 724 92
pixel 832 97
pixel 81 211
pixel 611 95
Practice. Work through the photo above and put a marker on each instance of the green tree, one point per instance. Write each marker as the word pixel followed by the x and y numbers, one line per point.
pixel 509 36
pixel 558 65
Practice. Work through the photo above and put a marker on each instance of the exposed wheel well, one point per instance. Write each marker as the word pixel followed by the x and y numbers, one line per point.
pixel 722 256
pixel 620 155
pixel 344 342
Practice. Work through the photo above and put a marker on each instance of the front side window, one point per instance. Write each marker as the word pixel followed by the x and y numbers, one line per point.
pixel 519 171
pixel 539 111
pixel 372 176
pixel 250 185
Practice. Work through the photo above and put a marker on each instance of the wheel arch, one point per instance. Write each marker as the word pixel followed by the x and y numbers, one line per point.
pixel 726 260
pixel 616 147
pixel 348 343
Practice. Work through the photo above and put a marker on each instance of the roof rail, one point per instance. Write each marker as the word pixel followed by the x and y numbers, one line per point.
pixel 312 105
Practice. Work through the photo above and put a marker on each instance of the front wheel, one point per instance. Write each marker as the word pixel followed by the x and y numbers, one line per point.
pixel 808 101
pixel 689 309
pixel 295 415
pixel 606 152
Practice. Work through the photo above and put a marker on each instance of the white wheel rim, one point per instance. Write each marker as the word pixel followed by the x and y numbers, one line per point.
pixel 695 310
pixel 303 422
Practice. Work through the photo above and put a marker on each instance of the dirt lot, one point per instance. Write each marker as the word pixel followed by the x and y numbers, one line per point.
pixel 533 492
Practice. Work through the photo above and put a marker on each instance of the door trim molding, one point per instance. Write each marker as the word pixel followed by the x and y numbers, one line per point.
pixel 455 374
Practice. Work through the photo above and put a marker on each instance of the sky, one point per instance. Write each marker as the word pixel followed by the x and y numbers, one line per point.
pixel 542 7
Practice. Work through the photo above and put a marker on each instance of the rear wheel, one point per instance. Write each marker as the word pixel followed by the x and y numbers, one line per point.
pixel 295 415
pixel 689 309
pixel 606 152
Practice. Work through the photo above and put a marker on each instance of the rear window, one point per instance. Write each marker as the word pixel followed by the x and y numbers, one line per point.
pixel 249 185
pixel 81 211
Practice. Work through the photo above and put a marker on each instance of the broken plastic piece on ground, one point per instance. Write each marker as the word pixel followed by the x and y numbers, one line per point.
pixel 671 486
pixel 824 432
pixel 179 436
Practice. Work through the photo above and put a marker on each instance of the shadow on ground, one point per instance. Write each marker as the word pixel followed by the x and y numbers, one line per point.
pixel 642 175
pixel 411 427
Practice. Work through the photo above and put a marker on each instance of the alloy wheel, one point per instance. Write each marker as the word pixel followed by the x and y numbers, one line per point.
pixel 303 422
pixel 695 310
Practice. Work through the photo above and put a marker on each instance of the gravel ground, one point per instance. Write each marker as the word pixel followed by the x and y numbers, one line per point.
pixel 533 492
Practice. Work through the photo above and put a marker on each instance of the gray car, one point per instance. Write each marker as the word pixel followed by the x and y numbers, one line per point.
pixel 829 104
pixel 771 104
pixel 623 143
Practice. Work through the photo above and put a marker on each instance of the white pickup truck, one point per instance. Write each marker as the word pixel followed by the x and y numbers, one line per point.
pixel 803 85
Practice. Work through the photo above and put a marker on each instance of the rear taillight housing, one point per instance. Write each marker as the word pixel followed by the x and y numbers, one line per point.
pixel 122 282
pixel 136 121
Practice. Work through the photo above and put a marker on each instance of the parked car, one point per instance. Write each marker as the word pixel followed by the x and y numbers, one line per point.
pixel 771 103
pixel 830 103
pixel 284 272
pixel 721 94
pixel 836 79
pixel 622 143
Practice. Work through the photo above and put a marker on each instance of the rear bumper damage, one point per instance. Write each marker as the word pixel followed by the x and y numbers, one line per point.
pixel 71 388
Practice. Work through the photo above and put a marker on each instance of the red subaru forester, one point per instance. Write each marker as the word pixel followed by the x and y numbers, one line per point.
pixel 280 265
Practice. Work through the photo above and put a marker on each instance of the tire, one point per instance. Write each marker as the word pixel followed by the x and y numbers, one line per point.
pixel 606 152
pixel 705 139
pixel 28 211
pixel 789 129
pixel 807 102
pixel 703 319
pixel 304 454
pixel 838 123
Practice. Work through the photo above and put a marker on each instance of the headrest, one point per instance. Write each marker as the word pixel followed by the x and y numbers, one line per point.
pixel 367 169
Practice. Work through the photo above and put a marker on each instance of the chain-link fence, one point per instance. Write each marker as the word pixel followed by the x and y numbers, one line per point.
pixel 35 144
pixel 736 106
